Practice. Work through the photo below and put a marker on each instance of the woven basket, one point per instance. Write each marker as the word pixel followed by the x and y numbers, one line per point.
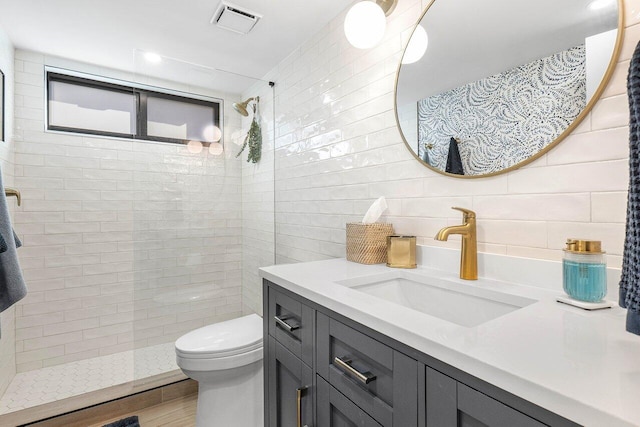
pixel 367 243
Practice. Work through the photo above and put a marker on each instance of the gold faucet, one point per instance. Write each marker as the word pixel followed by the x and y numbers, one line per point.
pixel 469 252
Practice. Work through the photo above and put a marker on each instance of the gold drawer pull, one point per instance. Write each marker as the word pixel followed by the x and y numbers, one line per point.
pixel 300 392
pixel 345 366
pixel 284 325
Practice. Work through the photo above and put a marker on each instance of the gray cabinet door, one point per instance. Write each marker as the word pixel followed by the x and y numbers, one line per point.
pixel 335 410
pixel 450 403
pixel 286 375
pixel 292 324
pixel 377 378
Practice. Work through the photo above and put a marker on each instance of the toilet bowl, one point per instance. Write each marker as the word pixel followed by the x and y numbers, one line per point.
pixel 226 360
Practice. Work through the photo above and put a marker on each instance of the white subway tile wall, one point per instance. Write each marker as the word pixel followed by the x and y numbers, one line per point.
pixel 7 318
pixel 337 150
pixel 127 244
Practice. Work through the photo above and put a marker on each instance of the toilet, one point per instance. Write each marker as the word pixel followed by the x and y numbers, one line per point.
pixel 226 360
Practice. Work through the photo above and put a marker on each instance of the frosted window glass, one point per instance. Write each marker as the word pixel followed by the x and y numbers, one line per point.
pixel 89 108
pixel 168 118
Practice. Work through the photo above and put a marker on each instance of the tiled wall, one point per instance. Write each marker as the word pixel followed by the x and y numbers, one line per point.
pixel 258 226
pixel 337 149
pixel 7 319
pixel 118 230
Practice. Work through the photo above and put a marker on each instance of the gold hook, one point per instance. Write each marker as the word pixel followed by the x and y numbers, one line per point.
pixel 12 192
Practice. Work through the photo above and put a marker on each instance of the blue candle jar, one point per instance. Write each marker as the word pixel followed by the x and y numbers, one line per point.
pixel 584 270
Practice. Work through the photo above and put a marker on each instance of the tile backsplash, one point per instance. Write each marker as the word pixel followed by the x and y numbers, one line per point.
pixel 337 149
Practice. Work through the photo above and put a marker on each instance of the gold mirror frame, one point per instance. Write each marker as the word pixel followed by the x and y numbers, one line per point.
pixel 587 109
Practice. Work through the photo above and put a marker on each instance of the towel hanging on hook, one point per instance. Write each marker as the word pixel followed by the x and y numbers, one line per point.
pixel 454 161
pixel 12 285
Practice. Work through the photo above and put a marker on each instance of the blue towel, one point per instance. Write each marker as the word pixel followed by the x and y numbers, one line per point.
pixel 630 278
pixel 454 162
pixel 3 243
pixel 12 286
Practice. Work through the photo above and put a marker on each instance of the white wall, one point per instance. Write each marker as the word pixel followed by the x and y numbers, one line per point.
pixel 597 48
pixel 337 149
pixel 408 121
pixel 117 230
pixel 7 319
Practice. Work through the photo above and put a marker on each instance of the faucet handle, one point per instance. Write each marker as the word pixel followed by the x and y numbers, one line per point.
pixel 466 213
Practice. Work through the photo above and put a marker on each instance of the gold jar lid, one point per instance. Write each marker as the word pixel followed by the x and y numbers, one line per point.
pixel 584 246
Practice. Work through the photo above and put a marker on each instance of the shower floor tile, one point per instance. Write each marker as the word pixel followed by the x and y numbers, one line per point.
pixel 46 385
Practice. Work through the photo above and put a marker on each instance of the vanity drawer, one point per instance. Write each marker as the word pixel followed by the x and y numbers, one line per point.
pixel 291 323
pixel 335 410
pixel 378 379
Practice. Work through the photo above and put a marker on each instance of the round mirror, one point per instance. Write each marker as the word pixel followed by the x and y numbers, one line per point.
pixel 497 83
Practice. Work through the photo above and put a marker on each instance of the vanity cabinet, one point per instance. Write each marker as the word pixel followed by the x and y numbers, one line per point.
pixel 289 388
pixel 451 403
pixel 377 378
pixel 335 410
pixel 289 385
pixel 325 370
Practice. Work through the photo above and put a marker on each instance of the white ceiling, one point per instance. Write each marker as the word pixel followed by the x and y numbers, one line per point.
pixel 470 39
pixel 108 32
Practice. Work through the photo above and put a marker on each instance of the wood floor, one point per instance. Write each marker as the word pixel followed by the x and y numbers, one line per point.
pixel 173 405
pixel 174 413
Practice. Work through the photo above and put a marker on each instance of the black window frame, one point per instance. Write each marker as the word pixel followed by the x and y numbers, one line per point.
pixel 141 95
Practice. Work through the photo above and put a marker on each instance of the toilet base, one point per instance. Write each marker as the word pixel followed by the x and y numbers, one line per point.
pixel 230 397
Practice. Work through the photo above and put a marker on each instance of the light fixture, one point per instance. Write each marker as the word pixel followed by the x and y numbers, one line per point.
pixel 152 57
pixel 365 22
pixel 242 106
pixel 417 46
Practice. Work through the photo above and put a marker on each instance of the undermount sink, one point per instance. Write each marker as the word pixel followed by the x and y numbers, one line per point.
pixel 463 304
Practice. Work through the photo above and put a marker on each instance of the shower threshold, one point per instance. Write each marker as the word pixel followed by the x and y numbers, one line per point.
pixel 47 392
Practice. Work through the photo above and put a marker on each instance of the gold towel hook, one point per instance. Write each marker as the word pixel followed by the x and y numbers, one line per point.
pixel 13 192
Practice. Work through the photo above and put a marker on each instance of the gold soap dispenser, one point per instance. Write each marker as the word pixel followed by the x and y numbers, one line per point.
pixel 401 251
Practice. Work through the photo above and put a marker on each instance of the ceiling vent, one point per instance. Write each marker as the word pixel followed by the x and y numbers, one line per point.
pixel 233 18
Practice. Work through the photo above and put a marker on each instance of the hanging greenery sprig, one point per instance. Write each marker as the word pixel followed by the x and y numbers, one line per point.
pixel 253 140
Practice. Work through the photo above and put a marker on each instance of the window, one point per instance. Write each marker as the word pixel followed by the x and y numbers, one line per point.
pixel 83 105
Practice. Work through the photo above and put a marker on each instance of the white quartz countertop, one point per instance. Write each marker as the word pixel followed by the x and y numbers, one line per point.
pixel 579 364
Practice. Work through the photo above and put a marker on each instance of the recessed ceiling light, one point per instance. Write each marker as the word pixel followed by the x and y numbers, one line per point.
pixel 599 4
pixel 154 58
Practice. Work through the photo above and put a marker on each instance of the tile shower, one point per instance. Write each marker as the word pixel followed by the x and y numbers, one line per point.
pixel 127 244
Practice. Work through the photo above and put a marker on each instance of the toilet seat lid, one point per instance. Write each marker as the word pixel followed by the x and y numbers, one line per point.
pixel 223 339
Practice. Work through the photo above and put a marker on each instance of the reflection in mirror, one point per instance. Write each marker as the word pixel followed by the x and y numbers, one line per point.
pixel 502 81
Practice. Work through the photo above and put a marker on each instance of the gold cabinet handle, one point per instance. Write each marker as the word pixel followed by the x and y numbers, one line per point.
pixel 284 325
pixel 13 192
pixel 345 366
pixel 300 392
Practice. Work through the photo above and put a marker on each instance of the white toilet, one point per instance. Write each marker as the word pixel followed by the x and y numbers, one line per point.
pixel 226 360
